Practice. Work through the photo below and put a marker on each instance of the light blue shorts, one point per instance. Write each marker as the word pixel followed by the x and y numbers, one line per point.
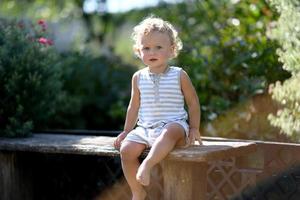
pixel 148 136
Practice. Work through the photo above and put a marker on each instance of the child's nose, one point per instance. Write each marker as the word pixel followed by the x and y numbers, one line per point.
pixel 152 51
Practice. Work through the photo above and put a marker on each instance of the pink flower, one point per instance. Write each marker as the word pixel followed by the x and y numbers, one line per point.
pixel 45 41
pixel 50 42
pixel 43 24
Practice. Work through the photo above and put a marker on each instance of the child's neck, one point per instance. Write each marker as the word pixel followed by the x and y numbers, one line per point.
pixel 158 70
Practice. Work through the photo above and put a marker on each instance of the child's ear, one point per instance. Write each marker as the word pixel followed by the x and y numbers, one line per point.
pixel 137 51
pixel 172 51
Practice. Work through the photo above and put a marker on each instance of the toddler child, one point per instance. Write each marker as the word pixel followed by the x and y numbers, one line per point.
pixel 158 95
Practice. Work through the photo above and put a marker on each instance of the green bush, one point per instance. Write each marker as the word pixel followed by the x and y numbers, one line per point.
pixel 227 53
pixel 97 90
pixel 30 86
pixel 287 32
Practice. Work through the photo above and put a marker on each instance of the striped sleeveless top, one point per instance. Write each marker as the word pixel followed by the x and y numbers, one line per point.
pixel 161 98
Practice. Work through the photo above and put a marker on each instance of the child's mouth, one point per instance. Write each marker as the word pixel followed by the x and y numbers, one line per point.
pixel 153 59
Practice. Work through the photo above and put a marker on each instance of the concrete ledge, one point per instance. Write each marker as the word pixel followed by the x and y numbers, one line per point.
pixel 103 146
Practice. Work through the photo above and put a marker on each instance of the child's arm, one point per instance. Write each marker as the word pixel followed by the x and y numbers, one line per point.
pixel 192 102
pixel 132 112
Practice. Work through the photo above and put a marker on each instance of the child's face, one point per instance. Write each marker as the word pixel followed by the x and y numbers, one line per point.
pixel 155 49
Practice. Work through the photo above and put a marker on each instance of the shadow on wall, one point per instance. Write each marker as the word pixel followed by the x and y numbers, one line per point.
pixel 119 191
pixel 284 186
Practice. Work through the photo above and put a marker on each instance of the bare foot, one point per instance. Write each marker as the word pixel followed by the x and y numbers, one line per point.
pixel 143 175
pixel 139 196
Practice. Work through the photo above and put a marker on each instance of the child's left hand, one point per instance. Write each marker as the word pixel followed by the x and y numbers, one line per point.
pixel 195 135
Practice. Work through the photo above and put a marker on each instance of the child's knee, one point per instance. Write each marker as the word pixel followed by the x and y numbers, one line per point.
pixel 174 131
pixel 130 151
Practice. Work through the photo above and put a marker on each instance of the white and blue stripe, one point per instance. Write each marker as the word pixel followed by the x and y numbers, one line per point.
pixel 161 98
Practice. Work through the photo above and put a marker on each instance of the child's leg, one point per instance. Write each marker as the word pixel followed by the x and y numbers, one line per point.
pixel 130 152
pixel 171 136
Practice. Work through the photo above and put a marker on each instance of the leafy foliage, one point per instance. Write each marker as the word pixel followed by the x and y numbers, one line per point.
pixel 30 86
pixel 287 32
pixel 98 91
pixel 37 9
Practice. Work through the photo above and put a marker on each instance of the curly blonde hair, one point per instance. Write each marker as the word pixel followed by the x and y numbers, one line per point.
pixel 153 23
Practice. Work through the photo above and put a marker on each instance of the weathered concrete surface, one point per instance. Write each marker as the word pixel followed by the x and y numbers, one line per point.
pixel 103 146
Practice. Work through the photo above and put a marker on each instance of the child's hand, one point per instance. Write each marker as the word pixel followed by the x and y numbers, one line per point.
pixel 194 135
pixel 119 139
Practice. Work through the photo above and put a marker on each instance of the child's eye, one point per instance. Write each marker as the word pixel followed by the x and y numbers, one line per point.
pixel 146 48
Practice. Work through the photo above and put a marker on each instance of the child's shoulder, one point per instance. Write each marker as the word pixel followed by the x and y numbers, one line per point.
pixel 176 68
pixel 142 72
pixel 179 70
pixel 138 72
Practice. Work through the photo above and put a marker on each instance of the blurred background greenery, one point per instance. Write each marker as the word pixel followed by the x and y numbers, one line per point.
pixel 226 52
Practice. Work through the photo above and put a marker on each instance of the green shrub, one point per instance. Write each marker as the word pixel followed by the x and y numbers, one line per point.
pixel 30 86
pixel 98 92
pixel 287 32
pixel 227 53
